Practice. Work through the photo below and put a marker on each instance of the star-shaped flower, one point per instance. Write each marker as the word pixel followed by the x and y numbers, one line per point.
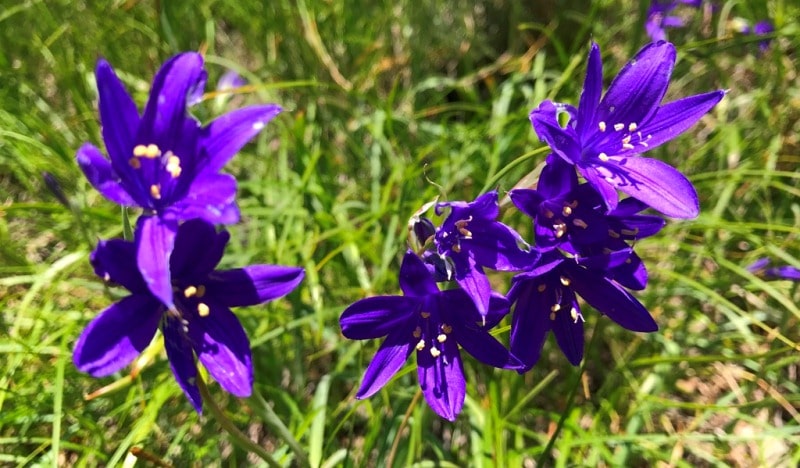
pixel 605 135
pixel 432 322
pixel 472 239
pixel 545 300
pixel 198 323
pixel 164 161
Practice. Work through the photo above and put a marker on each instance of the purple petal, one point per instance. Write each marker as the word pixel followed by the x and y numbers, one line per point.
pixel 592 90
pixel 495 245
pixel 176 83
pixel 415 279
pixel 115 337
pixel 482 345
pixel 474 282
pixel 198 250
pixel 212 198
pixel 377 316
pixel 638 89
pixel 155 239
pixel 391 356
pixel 119 118
pixel 600 184
pixel 569 332
pixel 783 272
pixel 102 176
pixel 181 361
pixel 252 285
pixel 557 179
pixel 442 380
pixel 530 321
pixel 676 117
pixel 759 264
pixel 115 260
pixel 612 300
pixel 562 141
pixel 632 274
pixel 527 201
pixel 227 134
pixel 222 346
pixel 656 183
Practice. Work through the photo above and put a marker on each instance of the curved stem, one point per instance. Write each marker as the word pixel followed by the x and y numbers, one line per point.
pixel 237 436
pixel 272 419
pixel 542 460
pixel 396 443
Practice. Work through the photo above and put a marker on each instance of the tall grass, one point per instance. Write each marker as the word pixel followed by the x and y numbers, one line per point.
pixel 388 105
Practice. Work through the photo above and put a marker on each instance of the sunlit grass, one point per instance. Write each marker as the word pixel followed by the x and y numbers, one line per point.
pixel 389 105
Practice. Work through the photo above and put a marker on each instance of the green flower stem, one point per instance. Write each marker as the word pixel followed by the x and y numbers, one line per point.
pixel 237 437
pixel 542 460
pixel 271 418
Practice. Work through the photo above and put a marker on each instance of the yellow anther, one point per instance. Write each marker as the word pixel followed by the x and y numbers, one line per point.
pixel 417 332
pixel 574 314
pixel 548 213
pixel 560 229
pixel 565 281
pixel 603 157
pixel 580 223
pixel 566 211
pixel 201 291
pixel 573 204
pixel 447 328
pixel 151 152
pixel 203 310
pixel 552 315
pixel 627 146
pixel 190 291
pixel 541 287
pixel 464 232
pixel 134 162
pixel 139 150
pixel 173 165
pixel 425 314
pixel 435 352
pixel 421 345
pixel 613 233
pixel 155 191
pixel 629 232
pixel 619 126
pixel 602 126
pixel 457 248
pixel 555 307
pixel 441 338
pixel 632 127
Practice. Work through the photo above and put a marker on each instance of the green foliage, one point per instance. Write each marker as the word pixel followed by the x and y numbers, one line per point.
pixel 390 104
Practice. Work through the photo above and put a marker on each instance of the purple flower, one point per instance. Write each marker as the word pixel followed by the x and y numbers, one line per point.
pixel 762 266
pixel 432 322
pixel 658 17
pixel 604 136
pixel 230 80
pixel 198 323
pixel 763 28
pixel 164 161
pixel 472 239
pixel 545 300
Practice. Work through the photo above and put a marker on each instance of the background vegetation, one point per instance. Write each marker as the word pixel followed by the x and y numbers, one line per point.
pixel 389 104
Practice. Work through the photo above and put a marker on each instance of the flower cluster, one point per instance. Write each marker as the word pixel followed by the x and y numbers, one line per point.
pixel 168 164
pixel 582 246
pixel 661 15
